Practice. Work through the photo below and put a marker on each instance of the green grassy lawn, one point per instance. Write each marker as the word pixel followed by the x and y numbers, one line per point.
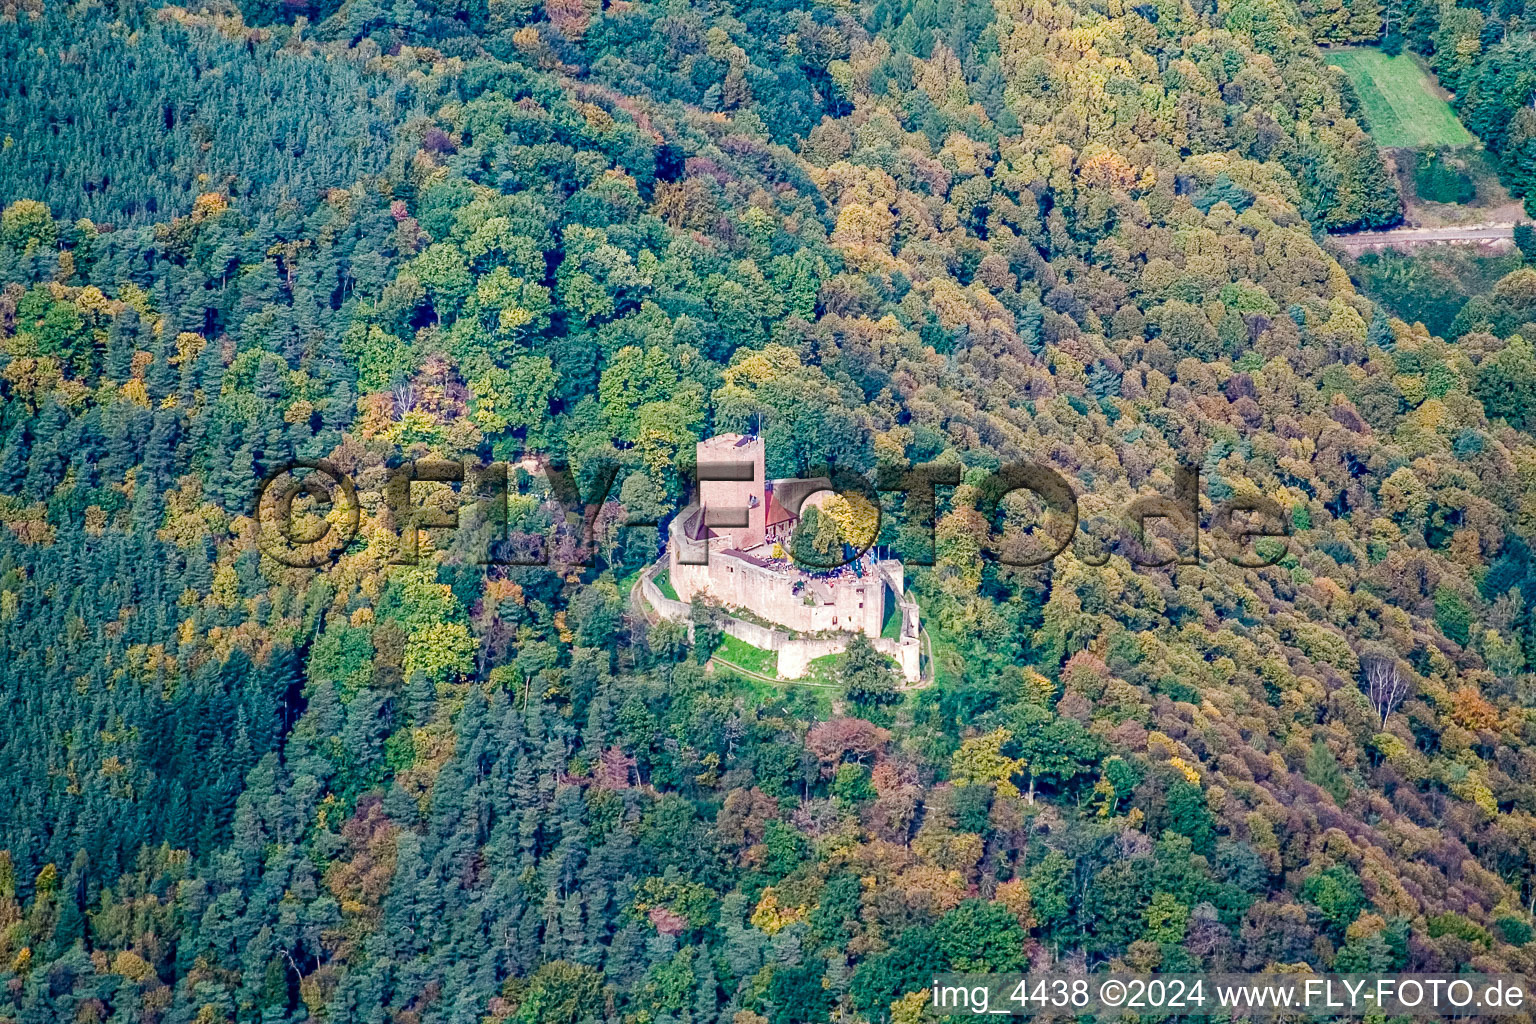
pixel 743 654
pixel 1399 99
pixel 891 627
pixel 664 584
pixel 821 670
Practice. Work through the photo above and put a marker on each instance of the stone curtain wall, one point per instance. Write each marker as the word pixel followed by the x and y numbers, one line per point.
pixel 795 655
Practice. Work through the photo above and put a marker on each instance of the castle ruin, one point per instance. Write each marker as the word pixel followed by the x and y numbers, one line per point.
pixel 729 547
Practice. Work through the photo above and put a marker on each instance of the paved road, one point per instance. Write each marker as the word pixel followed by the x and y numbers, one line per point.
pixel 1493 235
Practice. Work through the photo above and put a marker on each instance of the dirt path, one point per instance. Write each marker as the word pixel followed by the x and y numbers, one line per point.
pixel 637 600
pixel 1492 236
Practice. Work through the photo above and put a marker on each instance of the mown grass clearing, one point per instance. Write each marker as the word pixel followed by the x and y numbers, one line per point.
pixel 1399 99
pixel 744 655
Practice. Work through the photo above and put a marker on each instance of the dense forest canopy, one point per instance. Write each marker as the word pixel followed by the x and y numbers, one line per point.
pixel 1083 234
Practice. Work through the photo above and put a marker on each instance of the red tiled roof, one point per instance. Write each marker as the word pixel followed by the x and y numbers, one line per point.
pixel 694 528
pixel 777 513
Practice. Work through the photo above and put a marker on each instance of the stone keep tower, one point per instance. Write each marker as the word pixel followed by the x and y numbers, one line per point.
pixel 732 482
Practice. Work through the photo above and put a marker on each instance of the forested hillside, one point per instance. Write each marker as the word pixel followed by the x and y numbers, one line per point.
pixel 1078 233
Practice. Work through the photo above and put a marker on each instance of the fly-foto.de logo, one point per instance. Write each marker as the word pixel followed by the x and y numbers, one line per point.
pixel 310 512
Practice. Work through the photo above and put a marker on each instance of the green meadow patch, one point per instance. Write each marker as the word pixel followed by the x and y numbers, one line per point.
pixel 743 655
pixel 1399 99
